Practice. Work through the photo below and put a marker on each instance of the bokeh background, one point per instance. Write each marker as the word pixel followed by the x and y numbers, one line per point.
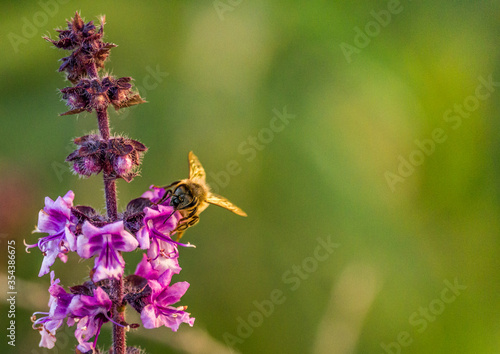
pixel 363 95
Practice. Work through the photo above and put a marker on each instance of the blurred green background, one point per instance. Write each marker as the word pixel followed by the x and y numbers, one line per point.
pixel 367 83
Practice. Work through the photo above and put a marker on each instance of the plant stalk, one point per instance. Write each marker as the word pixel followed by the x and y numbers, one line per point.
pixel 118 310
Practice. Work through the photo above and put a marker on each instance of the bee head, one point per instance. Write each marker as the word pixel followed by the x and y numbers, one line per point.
pixel 182 197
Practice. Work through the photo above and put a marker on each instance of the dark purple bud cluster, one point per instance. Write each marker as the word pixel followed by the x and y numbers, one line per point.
pixel 87 45
pixel 119 156
pixel 88 95
pixel 133 217
pixel 88 57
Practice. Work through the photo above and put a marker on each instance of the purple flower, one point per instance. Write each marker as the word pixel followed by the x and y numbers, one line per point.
pixel 56 220
pixel 145 269
pixel 92 313
pixel 164 256
pixel 159 222
pixel 59 309
pixel 85 305
pixel 106 243
pixel 158 310
pixel 152 297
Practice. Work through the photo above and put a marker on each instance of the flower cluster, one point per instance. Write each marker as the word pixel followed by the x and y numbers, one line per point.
pixel 147 225
pixel 154 301
pixel 88 305
pixel 79 229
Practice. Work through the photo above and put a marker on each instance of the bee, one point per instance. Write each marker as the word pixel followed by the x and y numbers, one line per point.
pixel 192 195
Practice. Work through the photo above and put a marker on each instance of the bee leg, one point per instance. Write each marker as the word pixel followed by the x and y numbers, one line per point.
pixel 168 191
pixel 179 235
pixel 165 196
pixel 193 221
pixel 190 220
pixel 181 228
pixel 189 216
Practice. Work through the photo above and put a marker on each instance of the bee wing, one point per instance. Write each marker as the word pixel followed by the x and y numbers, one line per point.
pixel 224 203
pixel 196 171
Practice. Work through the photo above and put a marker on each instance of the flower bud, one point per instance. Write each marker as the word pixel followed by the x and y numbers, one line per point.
pixel 77 97
pixel 119 91
pixel 87 159
pixel 123 165
pixel 86 166
pixel 125 155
